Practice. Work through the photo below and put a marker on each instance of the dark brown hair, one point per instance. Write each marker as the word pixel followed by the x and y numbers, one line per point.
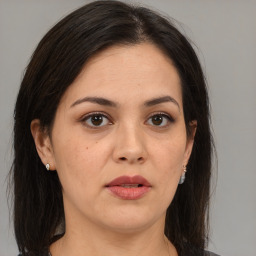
pixel 56 62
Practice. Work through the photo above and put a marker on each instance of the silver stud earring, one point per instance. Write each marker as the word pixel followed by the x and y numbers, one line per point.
pixel 183 176
pixel 47 166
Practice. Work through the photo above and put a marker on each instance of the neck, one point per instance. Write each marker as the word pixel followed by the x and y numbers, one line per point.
pixel 89 239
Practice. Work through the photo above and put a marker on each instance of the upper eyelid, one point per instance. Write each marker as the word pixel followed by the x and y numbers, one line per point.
pixel 86 117
pixel 161 113
pixel 107 115
pixel 95 113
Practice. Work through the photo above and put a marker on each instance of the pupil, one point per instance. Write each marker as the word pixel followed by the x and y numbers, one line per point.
pixel 97 120
pixel 157 120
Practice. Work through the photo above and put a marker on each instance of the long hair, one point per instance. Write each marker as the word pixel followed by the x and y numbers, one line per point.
pixel 56 62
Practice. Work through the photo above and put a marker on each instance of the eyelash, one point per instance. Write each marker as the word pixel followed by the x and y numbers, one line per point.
pixel 168 117
pixel 90 115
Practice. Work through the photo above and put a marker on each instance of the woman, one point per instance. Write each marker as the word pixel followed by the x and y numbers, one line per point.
pixel 111 114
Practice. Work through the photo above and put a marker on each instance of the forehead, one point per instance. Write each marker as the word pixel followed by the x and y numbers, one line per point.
pixel 124 72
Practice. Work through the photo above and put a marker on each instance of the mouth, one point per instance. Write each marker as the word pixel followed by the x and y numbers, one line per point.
pixel 131 185
pixel 129 188
pixel 137 181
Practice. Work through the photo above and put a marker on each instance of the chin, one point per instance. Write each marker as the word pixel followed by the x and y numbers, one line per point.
pixel 130 220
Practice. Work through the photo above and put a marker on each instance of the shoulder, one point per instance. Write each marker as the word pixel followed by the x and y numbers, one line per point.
pixel 207 253
pixel 204 253
pixel 41 254
pixel 193 251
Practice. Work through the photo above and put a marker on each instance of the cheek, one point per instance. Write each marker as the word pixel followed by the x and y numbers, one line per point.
pixel 169 167
pixel 168 159
pixel 170 154
pixel 79 161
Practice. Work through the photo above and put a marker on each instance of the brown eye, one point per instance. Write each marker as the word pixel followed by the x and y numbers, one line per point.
pixel 160 120
pixel 157 120
pixel 96 120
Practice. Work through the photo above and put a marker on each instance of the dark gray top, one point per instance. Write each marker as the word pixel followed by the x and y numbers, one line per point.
pixel 187 253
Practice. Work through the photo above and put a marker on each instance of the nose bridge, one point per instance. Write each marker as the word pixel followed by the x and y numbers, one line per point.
pixel 130 144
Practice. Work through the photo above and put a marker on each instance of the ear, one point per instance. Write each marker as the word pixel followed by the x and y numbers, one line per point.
pixel 43 144
pixel 190 141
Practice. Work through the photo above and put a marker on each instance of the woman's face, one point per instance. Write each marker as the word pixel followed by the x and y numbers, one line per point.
pixel 122 116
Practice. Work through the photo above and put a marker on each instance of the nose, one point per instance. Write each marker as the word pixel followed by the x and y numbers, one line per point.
pixel 129 146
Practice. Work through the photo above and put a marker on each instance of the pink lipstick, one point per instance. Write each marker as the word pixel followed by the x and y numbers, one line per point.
pixel 129 188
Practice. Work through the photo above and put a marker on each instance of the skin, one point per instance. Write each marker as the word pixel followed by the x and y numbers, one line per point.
pixel 127 142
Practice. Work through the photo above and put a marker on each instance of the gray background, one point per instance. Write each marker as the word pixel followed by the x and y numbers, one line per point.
pixel 225 33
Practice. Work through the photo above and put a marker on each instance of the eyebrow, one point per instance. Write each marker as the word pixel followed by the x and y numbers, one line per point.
pixel 109 103
pixel 97 100
pixel 160 100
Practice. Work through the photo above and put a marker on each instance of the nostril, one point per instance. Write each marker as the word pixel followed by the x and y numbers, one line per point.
pixel 131 159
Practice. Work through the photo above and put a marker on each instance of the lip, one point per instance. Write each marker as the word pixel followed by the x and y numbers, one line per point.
pixel 129 193
pixel 137 179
